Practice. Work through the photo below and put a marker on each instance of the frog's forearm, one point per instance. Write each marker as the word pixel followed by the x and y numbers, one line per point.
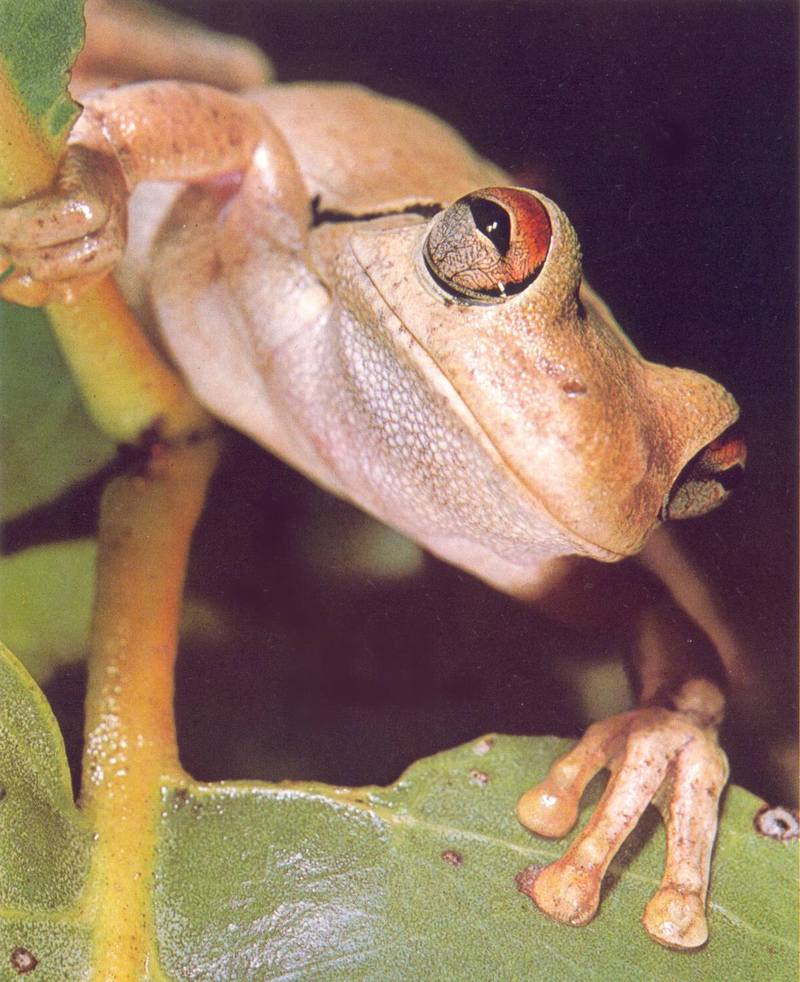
pixel 675 665
pixel 170 131
pixel 668 646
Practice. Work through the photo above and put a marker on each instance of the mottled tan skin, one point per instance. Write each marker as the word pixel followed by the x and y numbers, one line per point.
pixel 503 436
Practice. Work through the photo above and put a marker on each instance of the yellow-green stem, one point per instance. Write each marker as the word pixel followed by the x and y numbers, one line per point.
pixel 125 386
pixel 145 530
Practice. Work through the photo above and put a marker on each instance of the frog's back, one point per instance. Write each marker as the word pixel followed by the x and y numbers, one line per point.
pixel 361 152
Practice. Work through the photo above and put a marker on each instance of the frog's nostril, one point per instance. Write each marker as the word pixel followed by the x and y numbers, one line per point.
pixel 708 478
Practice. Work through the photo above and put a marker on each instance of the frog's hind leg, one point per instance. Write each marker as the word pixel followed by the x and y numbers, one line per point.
pixel 128 41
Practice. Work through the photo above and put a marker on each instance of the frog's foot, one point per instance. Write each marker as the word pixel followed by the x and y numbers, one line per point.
pixel 56 245
pixel 655 755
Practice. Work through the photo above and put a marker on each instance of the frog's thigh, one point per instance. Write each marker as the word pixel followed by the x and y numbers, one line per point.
pixel 128 41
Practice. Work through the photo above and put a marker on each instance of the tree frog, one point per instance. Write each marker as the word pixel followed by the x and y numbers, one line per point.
pixel 340 276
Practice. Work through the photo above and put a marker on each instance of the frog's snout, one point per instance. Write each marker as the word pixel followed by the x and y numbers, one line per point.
pixel 709 477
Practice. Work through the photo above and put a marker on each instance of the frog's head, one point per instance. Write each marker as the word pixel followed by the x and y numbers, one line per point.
pixel 607 443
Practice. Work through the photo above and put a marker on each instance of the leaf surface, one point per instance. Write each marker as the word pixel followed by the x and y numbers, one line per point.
pixel 417 880
pixel 46 595
pixel 44 843
pixel 48 440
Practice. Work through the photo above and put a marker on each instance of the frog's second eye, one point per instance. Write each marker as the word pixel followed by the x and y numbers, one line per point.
pixel 489 245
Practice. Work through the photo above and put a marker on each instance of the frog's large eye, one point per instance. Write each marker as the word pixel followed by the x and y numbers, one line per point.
pixel 489 245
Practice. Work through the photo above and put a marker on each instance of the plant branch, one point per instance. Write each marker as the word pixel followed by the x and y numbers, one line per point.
pixel 126 388
pixel 146 524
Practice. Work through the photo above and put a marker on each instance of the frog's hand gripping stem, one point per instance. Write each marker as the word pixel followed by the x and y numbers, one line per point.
pixel 63 241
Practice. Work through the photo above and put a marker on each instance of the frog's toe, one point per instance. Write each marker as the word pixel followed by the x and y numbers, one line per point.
pixel 568 892
pixel 61 272
pixel 87 256
pixel 675 919
pixel 569 889
pixel 58 243
pixel 675 916
pixel 551 808
pixel 50 220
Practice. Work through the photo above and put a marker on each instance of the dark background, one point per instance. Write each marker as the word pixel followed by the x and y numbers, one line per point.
pixel 667 132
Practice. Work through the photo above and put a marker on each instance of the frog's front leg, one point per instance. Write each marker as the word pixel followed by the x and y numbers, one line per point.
pixel 62 241
pixel 655 755
pixel 666 753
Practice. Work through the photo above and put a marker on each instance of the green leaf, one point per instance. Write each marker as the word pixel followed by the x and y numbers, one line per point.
pixel 40 42
pixel 48 441
pixel 418 881
pixel 44 844
pixel 257 881
pixel 46 596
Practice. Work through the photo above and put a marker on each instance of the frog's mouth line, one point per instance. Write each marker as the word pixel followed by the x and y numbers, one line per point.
pixel 328 216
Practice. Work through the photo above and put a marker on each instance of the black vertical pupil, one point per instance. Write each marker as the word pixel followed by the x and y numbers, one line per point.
pixel 493 220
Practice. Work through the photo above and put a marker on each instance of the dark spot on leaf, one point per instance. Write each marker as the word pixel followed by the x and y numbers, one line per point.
pixel 2 793
pixel 181 796
pixel 454 858
pixel 778 823
pixel 527 877
pixel 481 778
pixel 23 960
